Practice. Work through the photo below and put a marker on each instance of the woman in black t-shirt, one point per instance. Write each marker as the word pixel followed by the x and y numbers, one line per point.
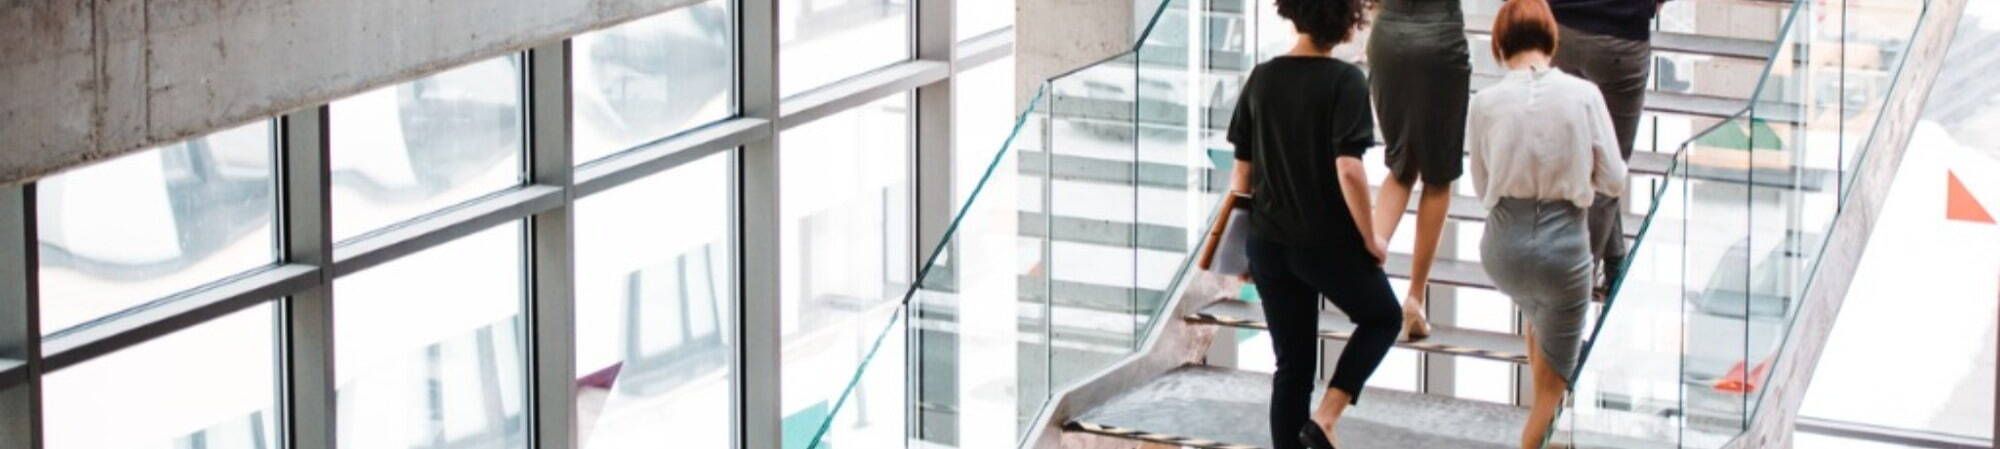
pixel 1301 126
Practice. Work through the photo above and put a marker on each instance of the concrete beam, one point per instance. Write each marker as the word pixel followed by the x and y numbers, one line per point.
pixel 85 80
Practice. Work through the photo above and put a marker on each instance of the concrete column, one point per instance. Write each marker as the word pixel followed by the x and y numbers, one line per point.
pixel 1056 36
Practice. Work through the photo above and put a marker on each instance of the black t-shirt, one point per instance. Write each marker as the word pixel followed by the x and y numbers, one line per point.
pixel 1294 117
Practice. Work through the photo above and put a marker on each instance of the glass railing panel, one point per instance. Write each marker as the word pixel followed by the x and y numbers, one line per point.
pixel 1176 192
pixel 1787 200
pixel 1753 198
pixel 1036 350
pixel 1629 386
pixel 1717 247
pixel 1874 37
pixel 1091 197
pixel 1797 206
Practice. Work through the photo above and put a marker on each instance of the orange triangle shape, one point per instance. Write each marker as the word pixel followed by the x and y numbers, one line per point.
pixel 1960 205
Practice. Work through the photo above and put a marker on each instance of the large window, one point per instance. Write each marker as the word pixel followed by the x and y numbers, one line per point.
pixel 976 17
pixel 407 150
pixel 141 227
pixel 210 386
pixel 655 310
pixel 428 348
pixel 187 300
pixel 823 41
pixel 846 262
pixel 651 78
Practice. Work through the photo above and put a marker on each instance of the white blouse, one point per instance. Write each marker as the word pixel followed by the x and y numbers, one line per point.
pixel 1545 135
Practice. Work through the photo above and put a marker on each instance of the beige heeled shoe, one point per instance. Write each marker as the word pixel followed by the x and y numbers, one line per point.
pixel 1416 325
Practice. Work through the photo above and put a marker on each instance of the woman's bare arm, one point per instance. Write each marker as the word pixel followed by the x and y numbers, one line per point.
pixel 1354 186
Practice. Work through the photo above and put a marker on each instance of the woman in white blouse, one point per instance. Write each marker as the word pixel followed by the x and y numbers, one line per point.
pixel 1542 146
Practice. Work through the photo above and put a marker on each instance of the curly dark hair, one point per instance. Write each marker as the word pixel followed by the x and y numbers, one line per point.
pixel 1329 22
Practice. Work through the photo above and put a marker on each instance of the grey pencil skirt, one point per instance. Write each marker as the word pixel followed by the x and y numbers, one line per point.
pixel 1420 76
pixel 1538 253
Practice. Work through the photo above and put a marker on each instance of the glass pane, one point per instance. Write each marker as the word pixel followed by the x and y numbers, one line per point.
pixel 222 380
pixel 846 263
pixel 976 17
pixel 823 41
pixel 407 150
pixel 654 77
pixel 429 348
pixel 654 310
pixel 130 230
pixel 1093 270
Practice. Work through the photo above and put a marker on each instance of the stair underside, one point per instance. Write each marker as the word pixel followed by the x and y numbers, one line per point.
pixel 1335 326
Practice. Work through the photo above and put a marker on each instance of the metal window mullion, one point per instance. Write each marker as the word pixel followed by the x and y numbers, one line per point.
pixel 550 305
pixel 1440 371
pixel 933 381
pixel 307 409
pixel 20 318
pixel 757 226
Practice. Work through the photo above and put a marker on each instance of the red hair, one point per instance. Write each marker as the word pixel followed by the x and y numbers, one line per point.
pixel 1524 25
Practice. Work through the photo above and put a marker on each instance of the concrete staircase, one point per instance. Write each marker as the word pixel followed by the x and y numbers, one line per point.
pixel 1216 407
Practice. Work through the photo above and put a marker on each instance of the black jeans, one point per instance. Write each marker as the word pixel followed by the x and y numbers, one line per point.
pixel 1291 280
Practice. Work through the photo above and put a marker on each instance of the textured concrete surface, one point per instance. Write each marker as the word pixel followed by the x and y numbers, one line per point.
pixel 1792 373
pixel 1231 406
pixel 84 80
pixel 1056 36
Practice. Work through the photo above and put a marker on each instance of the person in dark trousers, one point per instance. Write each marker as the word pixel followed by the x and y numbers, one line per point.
pixel 1301 125
pixel 1422 76
pixel 1609 43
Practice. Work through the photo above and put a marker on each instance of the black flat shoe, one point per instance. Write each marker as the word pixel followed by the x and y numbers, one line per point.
pixel 1315 438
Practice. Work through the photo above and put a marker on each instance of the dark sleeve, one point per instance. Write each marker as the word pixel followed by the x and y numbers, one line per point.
pixel 1353 115
pixel 1240 122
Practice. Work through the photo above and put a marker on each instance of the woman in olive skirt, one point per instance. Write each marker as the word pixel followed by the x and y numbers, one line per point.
pixel 1420 76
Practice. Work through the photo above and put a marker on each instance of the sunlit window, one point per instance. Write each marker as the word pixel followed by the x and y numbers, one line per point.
pixel 652 78
pixel 134 229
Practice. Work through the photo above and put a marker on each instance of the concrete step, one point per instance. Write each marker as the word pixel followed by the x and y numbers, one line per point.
pixel 1334 325
pixel 1209 407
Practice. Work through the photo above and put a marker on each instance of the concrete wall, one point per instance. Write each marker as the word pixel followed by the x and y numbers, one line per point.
pixel 84 80
pixel 1055 36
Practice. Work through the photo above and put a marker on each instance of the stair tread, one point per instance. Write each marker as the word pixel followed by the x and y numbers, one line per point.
pixel 1336 326
pixel 1210 407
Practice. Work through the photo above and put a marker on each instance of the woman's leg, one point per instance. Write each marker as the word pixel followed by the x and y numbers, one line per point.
pixel 1390 204
pixel 1549 389
pixel 1291 309
pixel 1431 211
pixel 1359 288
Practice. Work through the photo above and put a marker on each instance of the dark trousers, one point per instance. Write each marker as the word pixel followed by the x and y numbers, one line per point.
pixel 1619 67
pixel 1291 281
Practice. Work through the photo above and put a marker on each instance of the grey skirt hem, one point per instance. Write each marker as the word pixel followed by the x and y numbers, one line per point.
pixel 1538 253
